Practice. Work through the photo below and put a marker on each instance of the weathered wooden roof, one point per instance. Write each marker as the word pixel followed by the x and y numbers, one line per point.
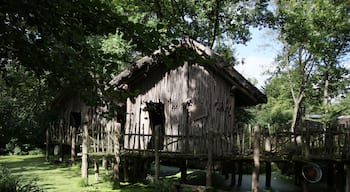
pixel 247 93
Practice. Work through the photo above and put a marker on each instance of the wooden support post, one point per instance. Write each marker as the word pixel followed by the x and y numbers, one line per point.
pixel 85 145
pixel 61 138
pixel 72 152
pixel 47 133
pixel 116 179
pixel 330 174
pixel 240 173
pixel 156 152
pixel 268 174
pixel 233 174
pixel 347 179
pixel 96 169
pixel 209 175
pixel 297 176
pixel 256 158
pixel 105 164
pixel 125 169
pixel 116 183
pixel 339 177
pixel 183 170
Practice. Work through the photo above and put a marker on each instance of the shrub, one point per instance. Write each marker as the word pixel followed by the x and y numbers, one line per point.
pixel 13 183
pixel 36 151
pixel 167 186
pixel 13 147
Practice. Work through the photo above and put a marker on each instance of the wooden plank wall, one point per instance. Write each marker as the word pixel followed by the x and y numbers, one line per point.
pixel 196 102
pixel 104 133
pixel 211 112
pixel 171 90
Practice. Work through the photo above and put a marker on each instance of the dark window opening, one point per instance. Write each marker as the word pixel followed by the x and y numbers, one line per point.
pixel 75 119
pixel 157 122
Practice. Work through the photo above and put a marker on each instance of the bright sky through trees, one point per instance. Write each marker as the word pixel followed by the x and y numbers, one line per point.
pixel 258 55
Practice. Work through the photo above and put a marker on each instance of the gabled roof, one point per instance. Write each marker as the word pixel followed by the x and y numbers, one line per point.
pixel 247 93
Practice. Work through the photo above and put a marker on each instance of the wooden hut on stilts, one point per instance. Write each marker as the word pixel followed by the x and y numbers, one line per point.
pixel 85 130
pixel 181 105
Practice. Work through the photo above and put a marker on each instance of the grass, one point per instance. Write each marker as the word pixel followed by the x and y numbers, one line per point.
pixel 57 178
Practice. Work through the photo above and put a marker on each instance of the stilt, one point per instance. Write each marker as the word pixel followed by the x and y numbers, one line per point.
pixel 268 174
pixel 105 164
pixel 183 170
pixel 47 133
pixel 61 143
pixel 125 169
pixel 347 180
pixel 240 173
pixel 330 174
pixel 72 151
pixel 85 144
pixel 233 174
pixel 96 169
pixel 304 185
pixel 297 174
pixel 116 183
pixel 339 177
pixel 156 153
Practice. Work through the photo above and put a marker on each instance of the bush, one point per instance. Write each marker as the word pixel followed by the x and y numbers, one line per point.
pixel 36 151
pixel 167 186
pixel 14 183
pixel 13 147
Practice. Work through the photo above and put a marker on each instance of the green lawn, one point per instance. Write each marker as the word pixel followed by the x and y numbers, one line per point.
pixel 58 178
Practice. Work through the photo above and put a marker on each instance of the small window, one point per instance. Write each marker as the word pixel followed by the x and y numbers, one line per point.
pixel 157 122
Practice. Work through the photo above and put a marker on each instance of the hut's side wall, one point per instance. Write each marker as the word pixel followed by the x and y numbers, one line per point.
pixel 197 103
pixel 170 90
pixel 211 112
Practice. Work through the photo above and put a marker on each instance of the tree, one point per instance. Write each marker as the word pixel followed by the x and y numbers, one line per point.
pixel 202 20
pixel 277 112
pixel 314 43
pixel 309 38
pixel 330 23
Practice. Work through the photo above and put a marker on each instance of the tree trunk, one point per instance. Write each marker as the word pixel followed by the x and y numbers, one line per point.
pixel 326 95
pixel 297 113
pixel 256 158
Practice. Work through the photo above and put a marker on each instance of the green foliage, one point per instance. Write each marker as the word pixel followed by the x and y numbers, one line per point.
pixel 277 112
pixel 203 20
pixel 13 183
pixel 316 37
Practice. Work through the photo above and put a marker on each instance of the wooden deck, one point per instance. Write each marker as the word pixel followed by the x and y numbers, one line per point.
pixel 330 144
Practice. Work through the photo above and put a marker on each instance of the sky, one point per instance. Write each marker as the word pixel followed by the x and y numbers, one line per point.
pixel 258 54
